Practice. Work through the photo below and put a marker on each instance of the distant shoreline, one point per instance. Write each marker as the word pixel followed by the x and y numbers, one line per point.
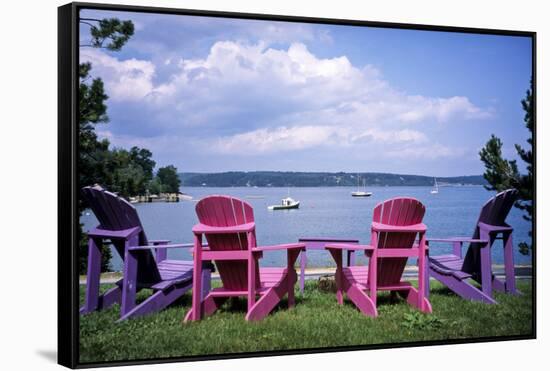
pixel 338 186
pixel 269 179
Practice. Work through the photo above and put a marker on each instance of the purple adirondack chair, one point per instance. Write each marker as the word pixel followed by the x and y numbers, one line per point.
pixel 396 225
pixel 119 223
pixel 228 225
pixel 455 272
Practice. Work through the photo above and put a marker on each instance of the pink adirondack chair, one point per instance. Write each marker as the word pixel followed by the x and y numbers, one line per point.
pixel 397 223
pixel 228 225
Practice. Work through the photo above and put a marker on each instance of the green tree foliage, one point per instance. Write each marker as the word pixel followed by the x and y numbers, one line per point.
pixel 500 173
pixel 95 159
pixel 168 178
pixel 111 33
pixel 126 175
pixel 155 186
pixel 503 174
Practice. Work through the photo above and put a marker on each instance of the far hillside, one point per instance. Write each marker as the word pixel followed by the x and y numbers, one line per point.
pixel 318 179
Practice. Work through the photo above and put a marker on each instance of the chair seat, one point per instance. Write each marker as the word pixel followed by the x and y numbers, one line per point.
pixel 173 272
pixel 449 265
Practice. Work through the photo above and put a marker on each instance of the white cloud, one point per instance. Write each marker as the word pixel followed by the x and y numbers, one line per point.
pixel 305 88
pixel 441 109
pixel 127 80
pixel 429 151
pixel 305 137
pixel 275 140
pixel 268 100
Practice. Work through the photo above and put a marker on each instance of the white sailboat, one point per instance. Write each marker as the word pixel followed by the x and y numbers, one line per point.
pixel 435 189
pixel 360 193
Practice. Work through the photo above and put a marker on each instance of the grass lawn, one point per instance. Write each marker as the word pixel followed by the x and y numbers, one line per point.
pixel 316 321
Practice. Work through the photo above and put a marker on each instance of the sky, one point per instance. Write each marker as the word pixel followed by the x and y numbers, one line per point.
pixel 213 94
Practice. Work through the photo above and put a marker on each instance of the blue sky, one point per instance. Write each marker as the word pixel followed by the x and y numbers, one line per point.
pixel 213 94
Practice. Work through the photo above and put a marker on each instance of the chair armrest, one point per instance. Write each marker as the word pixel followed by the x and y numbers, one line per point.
pixel 287 246
pixel 495 228
pixel 171 246
pixel 457 239
pixel 122 234
pixel 379 227
pixel 158 242
pixel 328 240
pixel 207 229
pixel 417 246
pixel 347 246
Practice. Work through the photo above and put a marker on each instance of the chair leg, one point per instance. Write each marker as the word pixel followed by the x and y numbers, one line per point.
pixel 421 274
pixel 129 285
pixel 210 305
pixel 338 275
pixel 291 281
pixel 509 264
pixel 427 277
pixel 362 301
pixel 265 304
pixel 486 266
pixel 303 263
pixel 111 297
pixel 411 294
pixel 206 282
pixel 196 306
pixel 157 301
pixel 463 288
pixel 92 279
pixel 373 278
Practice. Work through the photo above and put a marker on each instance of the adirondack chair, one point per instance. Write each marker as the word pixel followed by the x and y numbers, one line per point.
pixel 119 223
pixel 455 272
pixel 228 225
pixel 396 225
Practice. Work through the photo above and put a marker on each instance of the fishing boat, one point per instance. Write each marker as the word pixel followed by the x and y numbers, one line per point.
pixel 286 203
pixel 361 193
pixel 435 189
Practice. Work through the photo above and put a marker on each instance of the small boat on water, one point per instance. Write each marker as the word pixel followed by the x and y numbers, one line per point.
pixel 435 189
pixel 286 203
pixel 360 193
pixel 184 196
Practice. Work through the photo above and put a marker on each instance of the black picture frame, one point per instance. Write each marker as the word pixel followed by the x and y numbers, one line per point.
pixel 68 188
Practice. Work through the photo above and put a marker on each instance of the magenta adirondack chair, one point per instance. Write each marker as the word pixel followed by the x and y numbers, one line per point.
pixel 455 272
pixel 228 225
pixel 120 224
pixel 397 223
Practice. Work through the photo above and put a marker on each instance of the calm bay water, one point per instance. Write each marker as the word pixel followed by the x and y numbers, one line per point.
pixel 325 212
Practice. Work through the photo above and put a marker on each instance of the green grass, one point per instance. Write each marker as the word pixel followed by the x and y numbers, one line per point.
pixel 316 321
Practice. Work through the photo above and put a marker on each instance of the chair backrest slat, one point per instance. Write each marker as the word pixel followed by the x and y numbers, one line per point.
pixel 114 214
pixel 494 212
pixel 226 211
pixel 396 212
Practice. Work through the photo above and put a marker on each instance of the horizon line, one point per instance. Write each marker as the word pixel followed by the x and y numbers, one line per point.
pixel 330 172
